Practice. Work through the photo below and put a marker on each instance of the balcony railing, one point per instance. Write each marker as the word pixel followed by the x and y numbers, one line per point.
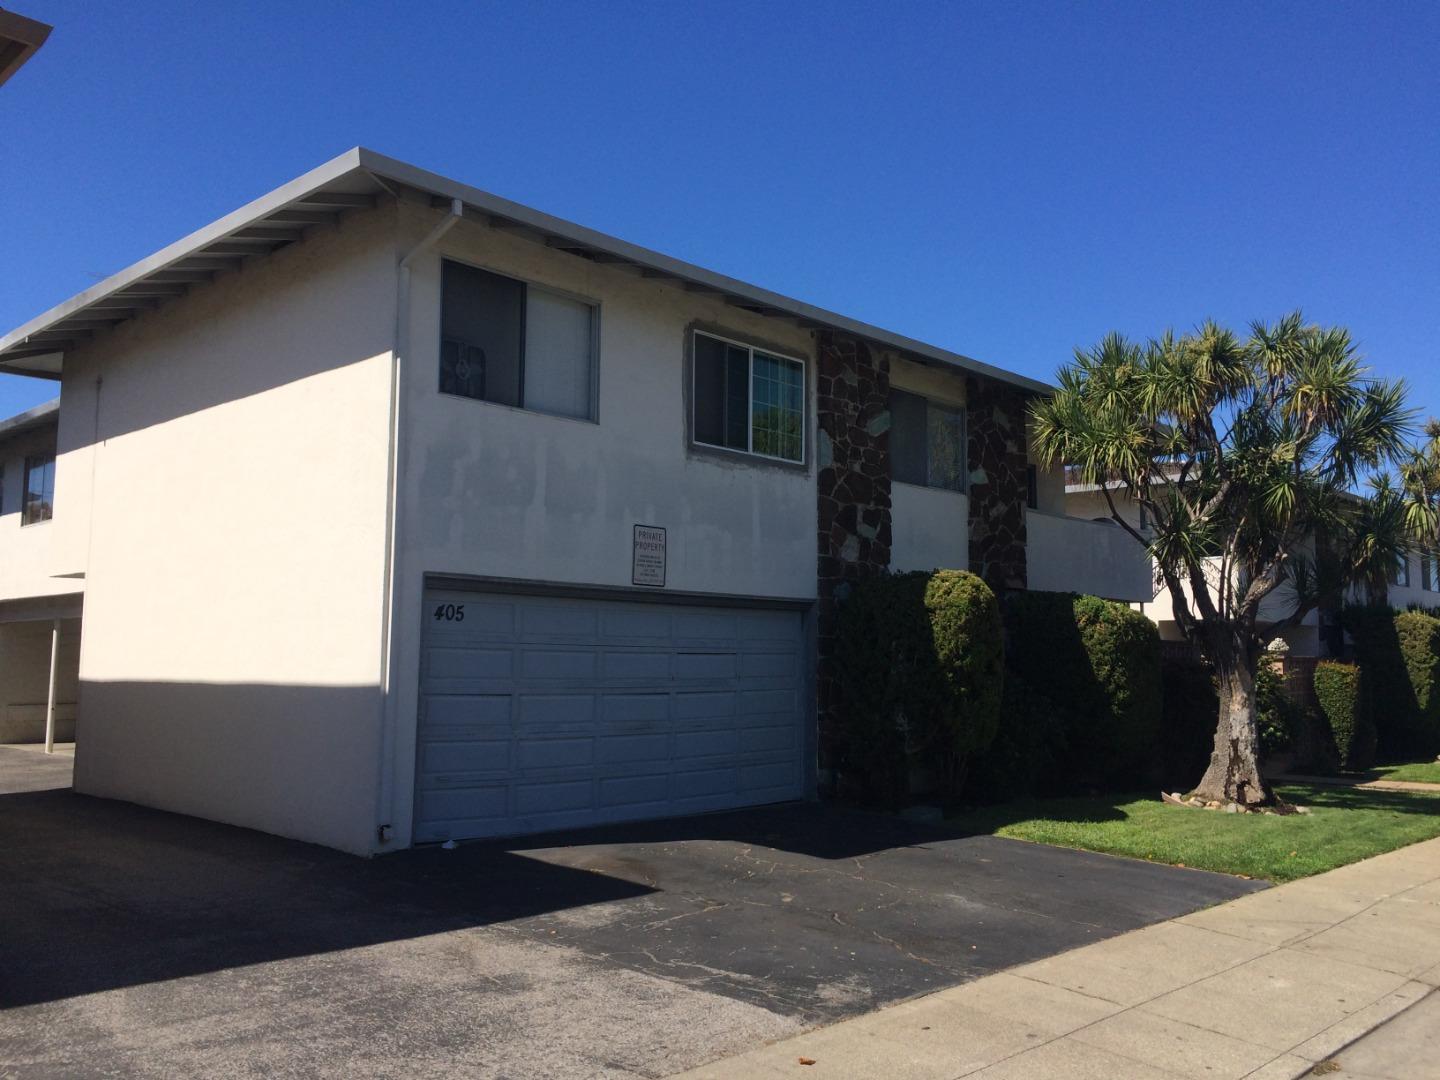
pixel 1066 554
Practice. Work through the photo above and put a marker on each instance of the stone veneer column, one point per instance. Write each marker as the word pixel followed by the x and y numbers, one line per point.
pixel 853 510
pixel 999 488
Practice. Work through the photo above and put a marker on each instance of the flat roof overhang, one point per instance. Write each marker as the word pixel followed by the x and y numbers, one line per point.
pixel 356 180
pixel 19 38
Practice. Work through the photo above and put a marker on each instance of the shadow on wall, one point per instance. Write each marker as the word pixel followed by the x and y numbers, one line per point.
pixel 296 761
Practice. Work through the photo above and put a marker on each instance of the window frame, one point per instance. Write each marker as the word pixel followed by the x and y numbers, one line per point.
pixel 751 349
pixel 963 412
pixel 25 519
pixel 591 302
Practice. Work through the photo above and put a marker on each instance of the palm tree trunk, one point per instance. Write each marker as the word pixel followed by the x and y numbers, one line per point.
pixel 1234 772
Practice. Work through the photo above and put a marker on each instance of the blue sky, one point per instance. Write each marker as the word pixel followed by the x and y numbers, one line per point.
pixel 1006 180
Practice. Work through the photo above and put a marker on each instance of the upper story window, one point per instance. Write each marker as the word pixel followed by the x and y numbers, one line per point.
pixel 39 489
pixel 517 344
pixel 1400 572
pixel 927 442
pixel 1430 571
pixel 748 399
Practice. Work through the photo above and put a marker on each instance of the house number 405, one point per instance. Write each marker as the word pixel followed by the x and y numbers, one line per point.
pixel 449 612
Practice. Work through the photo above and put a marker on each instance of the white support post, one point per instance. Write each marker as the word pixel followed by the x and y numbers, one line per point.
pixel 50 702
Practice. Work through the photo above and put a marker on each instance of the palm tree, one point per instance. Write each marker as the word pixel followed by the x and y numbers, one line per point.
pixel 1246 456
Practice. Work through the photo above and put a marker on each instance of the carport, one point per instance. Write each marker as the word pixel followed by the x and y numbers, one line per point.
pixel 39 669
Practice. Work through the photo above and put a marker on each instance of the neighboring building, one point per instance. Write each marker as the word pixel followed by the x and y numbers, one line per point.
pixel 40 623
pixel 404 512
pixel 1414 583
pixel 19 39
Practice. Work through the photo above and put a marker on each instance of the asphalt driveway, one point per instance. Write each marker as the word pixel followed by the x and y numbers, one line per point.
pixel 135 942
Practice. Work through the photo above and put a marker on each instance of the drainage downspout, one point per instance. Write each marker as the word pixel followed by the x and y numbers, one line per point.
pixel 389 714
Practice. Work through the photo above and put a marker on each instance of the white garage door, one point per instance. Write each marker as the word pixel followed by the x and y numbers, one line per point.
pixel 541 712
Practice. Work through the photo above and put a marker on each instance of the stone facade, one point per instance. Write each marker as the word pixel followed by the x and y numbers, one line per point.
pixel 853 474
pixel 999 484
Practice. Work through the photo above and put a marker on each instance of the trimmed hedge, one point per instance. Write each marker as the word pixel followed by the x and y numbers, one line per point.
pixel 919 676
pixel 1089 712
pixel 1339 690
pixel 1400 654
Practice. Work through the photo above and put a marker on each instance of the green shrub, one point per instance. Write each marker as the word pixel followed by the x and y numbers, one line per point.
pixel 1276 716
pixel 1028 751
pixel 1190 709
pixel 919 676
pixel 1339 691
pixel 1400 654
pixel 1091 667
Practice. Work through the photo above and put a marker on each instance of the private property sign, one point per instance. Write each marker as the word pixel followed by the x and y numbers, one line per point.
pixel 647 557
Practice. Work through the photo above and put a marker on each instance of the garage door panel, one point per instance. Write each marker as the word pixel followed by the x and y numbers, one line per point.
pixel 559 621
pixel 468 663
pixel 632 749
pixel 467 756
pixel 772 665
pixel 646 666
pixel 541 664
pixel 776 737
pixel 637 626
pixel 648 790
pixel 705 625
pixel 715 666
pixel 704 704
pixel 628 711
pixel 550 796
pixel 544 713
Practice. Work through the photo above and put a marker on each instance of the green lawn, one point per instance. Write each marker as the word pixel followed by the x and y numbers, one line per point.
pixel 1344 826
pixel 1420 772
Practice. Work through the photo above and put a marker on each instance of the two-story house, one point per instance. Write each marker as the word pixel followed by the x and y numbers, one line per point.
pixel 1414 581
pixel 403 512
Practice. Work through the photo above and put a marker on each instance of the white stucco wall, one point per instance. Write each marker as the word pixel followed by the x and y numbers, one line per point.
pixel 1066 554
pixel 222 481
pixel 495 492
pixel 27 552
pixel 930 528
pixel 1402 596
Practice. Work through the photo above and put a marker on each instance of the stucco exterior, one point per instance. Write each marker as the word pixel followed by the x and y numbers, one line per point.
pixel 257 481
pixel 222 485
pixel 493 492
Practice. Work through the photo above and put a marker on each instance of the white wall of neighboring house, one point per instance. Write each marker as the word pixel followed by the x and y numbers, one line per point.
pixel 222 481
pixel 26 551
pixel 1414 593
pixel 1302 640
pixel 494 492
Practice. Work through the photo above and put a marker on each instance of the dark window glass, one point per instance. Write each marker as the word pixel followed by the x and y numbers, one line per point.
pixel 722 393
pixel 482 331
pixel 909 454
pixel 39 489
pixel 927 442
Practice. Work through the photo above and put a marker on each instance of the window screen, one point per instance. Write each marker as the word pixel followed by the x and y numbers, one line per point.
pixel 504 341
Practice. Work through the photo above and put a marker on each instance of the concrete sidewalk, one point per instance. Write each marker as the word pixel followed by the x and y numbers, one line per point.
pixel 1265 987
